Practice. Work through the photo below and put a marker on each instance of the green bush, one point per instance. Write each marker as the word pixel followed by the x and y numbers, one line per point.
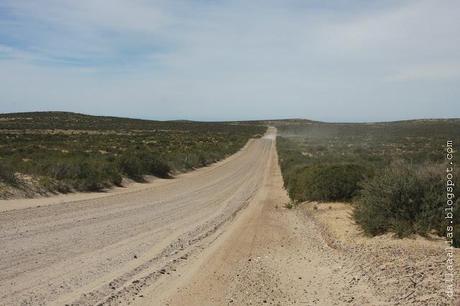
pixel 404 199
pixel 326 182
pixel 135 165
pixel 90 177
pixel 81 174
pixel 7 175
pixel 151 164
pixel 113 174
pixel 131 166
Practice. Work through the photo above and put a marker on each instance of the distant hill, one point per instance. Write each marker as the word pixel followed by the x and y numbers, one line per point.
pixel 76 121
pixel 277 122
pixel 446 128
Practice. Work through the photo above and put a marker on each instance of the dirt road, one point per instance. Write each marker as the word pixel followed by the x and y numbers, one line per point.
pixel 176 242
pixel 92 250
pixel 269 255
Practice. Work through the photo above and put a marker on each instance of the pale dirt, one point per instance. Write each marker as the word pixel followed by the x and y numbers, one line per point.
pixel 268 256
pixel 216 236
pixel 409 271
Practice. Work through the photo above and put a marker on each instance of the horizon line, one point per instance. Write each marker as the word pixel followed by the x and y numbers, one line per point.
pixel 237 120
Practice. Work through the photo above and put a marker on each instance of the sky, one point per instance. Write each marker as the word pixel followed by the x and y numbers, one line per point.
pixel 232 60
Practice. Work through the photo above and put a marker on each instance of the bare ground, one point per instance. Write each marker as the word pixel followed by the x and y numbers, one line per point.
pixel 409 271
pixel 216 236
pixel 269 255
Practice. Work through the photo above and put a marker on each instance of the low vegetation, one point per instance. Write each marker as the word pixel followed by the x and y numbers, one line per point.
pixel 326 182
pixel 405 199
pixel 64 152
pixel 393 173
pixel 7 175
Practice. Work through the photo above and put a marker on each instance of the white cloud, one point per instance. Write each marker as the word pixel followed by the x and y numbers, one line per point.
pixel 121 15
pixel 232 59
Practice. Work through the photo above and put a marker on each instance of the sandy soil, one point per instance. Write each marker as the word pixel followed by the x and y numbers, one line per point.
pixel 407 271
pixel 216 236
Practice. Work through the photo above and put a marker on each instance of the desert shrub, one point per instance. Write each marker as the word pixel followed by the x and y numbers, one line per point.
pixel 131 166
pixel 191 160
pixel 93 176
pixel 326 182
pixel 7 175
pixel 135 165
pixel 404 199
pixel 113 174
pixel 159 168
pixel 203 160
pixel 53 185
pixel 82 174
pixel 63 170
pixel 154 165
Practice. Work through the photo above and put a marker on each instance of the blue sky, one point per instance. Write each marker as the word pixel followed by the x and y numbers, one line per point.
pixel 225 60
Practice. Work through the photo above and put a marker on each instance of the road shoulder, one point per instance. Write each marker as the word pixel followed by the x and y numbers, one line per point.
pixel 407 271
